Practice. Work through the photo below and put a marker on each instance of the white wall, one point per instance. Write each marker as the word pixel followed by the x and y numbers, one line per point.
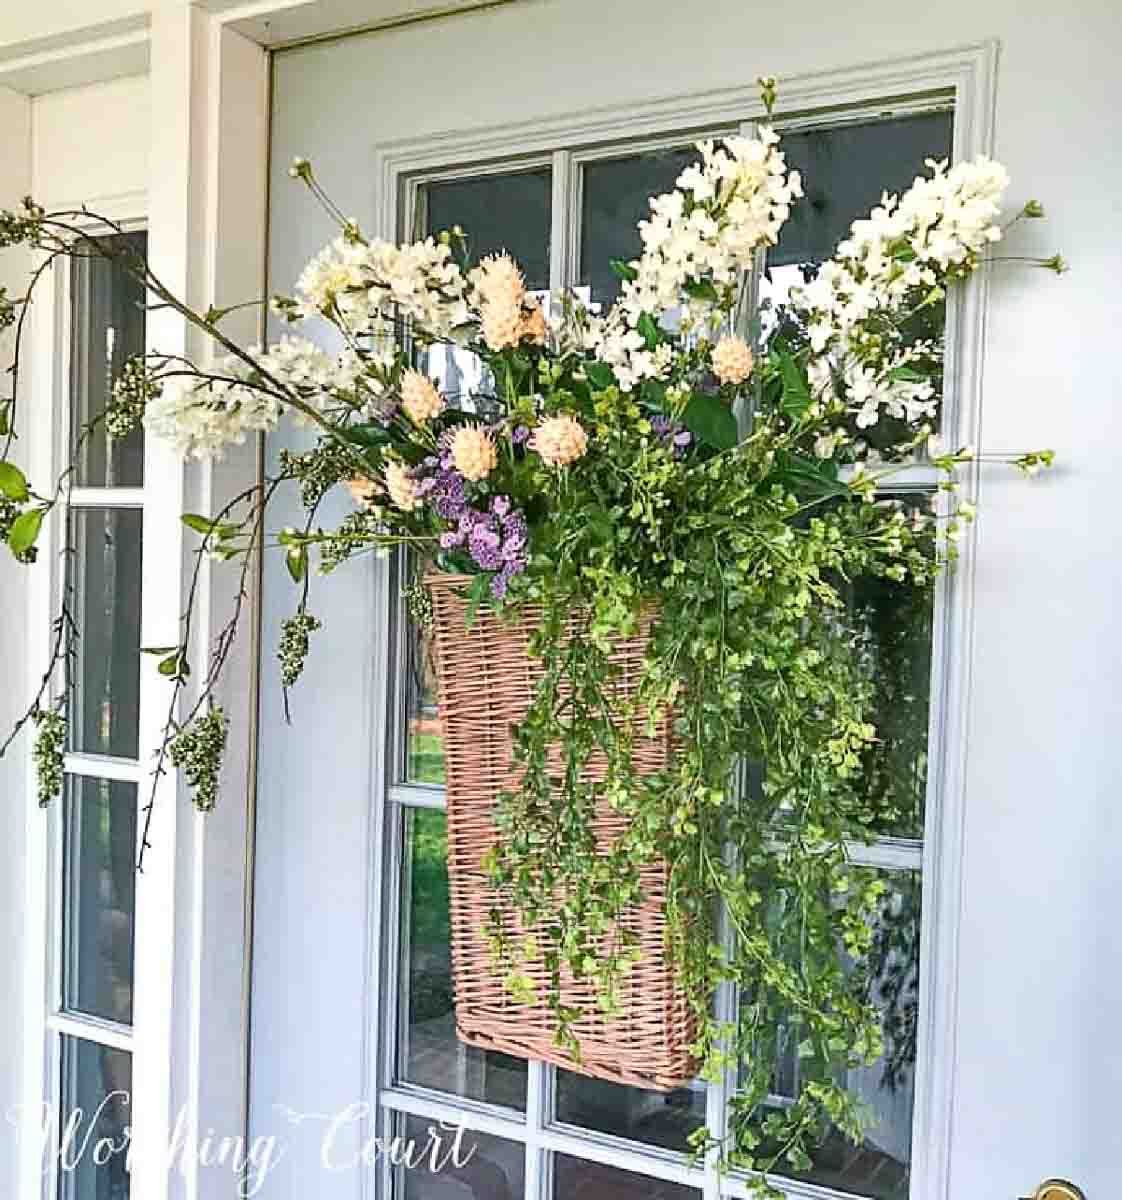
pixel 15 181
pixel 1039 1059
pixel 92 143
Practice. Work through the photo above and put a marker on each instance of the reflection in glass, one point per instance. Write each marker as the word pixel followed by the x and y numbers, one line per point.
pixel 105 575
pixel 576 1179
pixel 107 323
pixel 615 197
pixel 893 631
pixel 510 212
pixel 96 1102
pixel 880 1165
pixel 438 1162
pixel 663 1119
pixel 425 749
pixel 429 1053
pixel 99 847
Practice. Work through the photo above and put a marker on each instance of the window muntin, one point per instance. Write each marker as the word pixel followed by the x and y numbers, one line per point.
pixel 564 1113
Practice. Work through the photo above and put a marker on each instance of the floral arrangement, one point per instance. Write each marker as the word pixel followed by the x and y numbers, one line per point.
pixel 665 455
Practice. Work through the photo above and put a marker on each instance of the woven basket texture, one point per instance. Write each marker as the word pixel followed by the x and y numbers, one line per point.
pixel 486 682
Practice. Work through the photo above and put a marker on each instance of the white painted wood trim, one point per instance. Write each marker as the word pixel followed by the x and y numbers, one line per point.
pixel 936 1057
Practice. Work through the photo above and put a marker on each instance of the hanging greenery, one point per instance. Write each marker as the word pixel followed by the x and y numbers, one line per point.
pixel 665 458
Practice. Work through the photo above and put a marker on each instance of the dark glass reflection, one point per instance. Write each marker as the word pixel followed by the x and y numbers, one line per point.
pixel 508 212
pixel 430 1054
pixel 100 910
pixel 880 1165
pixel 96 1106
pixel 107 323
pixel 576 1179
pixel 104 572
pixel 616 196
pixel 893 632
pixel 663 1119
pixel 446 1164
pixel 845 170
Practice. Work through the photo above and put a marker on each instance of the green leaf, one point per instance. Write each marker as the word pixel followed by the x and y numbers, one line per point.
pixel 648 328
pixel 197 522
pixel 624 270
pixel 795 399
pixel 170 665
pixel 25 529
pixel 372 434
pixel 13 483
pixel 600 375
pixel 5 405
pixel 158 649
pixel 711 421
pixel 702 289
pixel 476 594
pixel 808 476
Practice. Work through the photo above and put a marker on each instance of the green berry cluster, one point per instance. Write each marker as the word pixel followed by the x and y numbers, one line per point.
pixel 47 754
pixel 132 390
pixel 197 750
pixel 293 648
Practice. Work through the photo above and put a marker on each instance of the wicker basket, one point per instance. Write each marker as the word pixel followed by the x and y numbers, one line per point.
pixel 486 683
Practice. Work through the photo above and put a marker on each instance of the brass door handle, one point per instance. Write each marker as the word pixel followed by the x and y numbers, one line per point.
pixel 1056 1189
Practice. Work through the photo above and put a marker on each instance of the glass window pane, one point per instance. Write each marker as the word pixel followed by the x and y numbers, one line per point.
pixel 107 324
pixel 96 1102
pixel 508 212
pixel 429 1052
pixel 846 170
pixel 99 849
pixel 576 1179
pixel 105 576
pixel 445 1162
pixel 425 749
pixel 880 1165
pixel 615 197
pixel 893 625
pixel 663 1119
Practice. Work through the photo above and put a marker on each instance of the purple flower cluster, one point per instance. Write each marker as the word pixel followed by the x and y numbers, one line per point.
pixel 672 435
pixel 495 539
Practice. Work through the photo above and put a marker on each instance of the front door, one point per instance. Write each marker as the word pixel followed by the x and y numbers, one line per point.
pixel 536 144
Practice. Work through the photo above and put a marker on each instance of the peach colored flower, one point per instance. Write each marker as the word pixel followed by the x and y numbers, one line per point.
pixel 473 452
pixel 402 489
pixel 732 360
pixel 419 398
pixel 364 491
pixel 499 291
pixel 559 440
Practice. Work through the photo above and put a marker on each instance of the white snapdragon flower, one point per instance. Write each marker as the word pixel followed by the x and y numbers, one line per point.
pixel 362 285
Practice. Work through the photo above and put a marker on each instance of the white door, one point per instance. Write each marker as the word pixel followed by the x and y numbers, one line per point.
pixel 542 129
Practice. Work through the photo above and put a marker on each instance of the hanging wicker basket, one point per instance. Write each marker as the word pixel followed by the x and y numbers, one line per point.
pixel 486 684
